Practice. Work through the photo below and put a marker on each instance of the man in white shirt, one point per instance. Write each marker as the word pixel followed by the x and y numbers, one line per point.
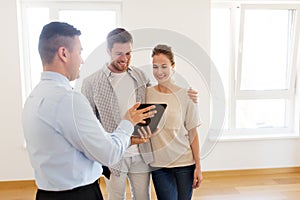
pixel 66 143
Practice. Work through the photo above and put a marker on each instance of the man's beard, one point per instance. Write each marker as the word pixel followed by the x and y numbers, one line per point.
pixel 119 68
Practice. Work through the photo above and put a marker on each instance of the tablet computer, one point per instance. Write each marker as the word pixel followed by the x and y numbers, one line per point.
pixel 153 121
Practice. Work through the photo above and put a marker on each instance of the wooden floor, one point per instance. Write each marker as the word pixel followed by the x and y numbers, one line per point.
pixel 265 184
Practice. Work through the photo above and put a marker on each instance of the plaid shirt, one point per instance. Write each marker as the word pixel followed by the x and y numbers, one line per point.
pixel 99 91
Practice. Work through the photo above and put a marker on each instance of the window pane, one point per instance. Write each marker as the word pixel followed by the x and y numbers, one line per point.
pixel 265 50
pixel 261 113
pixel 220 48
pixel 37 18
pixel 94 26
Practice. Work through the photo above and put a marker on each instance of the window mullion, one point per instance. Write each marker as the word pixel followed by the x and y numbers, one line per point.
pixel 232 78
pixel 291 113
pixel 240 50
pixel 294 52
pixel 54 12
pixel 25 70
pixel 270 94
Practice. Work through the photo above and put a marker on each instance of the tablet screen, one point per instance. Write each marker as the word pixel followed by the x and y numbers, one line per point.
pixel 151 122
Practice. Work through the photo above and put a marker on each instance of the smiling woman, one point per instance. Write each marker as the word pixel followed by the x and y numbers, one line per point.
pixel 175 148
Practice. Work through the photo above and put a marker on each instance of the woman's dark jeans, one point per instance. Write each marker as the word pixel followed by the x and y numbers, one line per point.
pixel 174 183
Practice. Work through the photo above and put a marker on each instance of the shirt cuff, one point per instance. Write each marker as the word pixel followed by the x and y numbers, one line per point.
pixel 127 127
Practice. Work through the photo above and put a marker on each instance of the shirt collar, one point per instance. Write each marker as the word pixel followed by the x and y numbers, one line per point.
pixel 108 73
pixel 48 75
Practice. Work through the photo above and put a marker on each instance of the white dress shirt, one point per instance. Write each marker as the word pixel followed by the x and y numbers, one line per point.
pixel 65 141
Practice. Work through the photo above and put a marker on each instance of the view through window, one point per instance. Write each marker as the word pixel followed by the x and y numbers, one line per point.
pixel 255 50
pixel 93 20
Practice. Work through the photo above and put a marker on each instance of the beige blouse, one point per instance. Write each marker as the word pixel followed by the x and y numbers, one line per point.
pixel 171 146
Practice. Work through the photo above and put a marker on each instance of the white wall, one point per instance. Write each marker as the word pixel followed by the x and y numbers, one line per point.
pixel 190 18
pixel 186 17
pixel 14 162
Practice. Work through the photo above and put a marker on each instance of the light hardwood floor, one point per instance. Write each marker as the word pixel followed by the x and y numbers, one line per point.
pixel 262 184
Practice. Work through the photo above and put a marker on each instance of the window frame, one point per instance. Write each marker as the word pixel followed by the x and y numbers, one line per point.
pixel 235 92
pixel 54 9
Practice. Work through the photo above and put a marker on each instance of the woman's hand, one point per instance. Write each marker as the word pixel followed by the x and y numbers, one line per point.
pixel 197 177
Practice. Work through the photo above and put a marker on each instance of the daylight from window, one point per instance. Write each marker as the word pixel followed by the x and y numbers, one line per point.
pixel 93 24
pixel 252 50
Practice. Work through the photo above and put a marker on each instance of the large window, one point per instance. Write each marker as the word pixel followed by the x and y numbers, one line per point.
pixel 255 49
pixel 94 19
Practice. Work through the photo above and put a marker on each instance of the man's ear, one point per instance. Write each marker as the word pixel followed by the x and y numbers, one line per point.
pixel 63 53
